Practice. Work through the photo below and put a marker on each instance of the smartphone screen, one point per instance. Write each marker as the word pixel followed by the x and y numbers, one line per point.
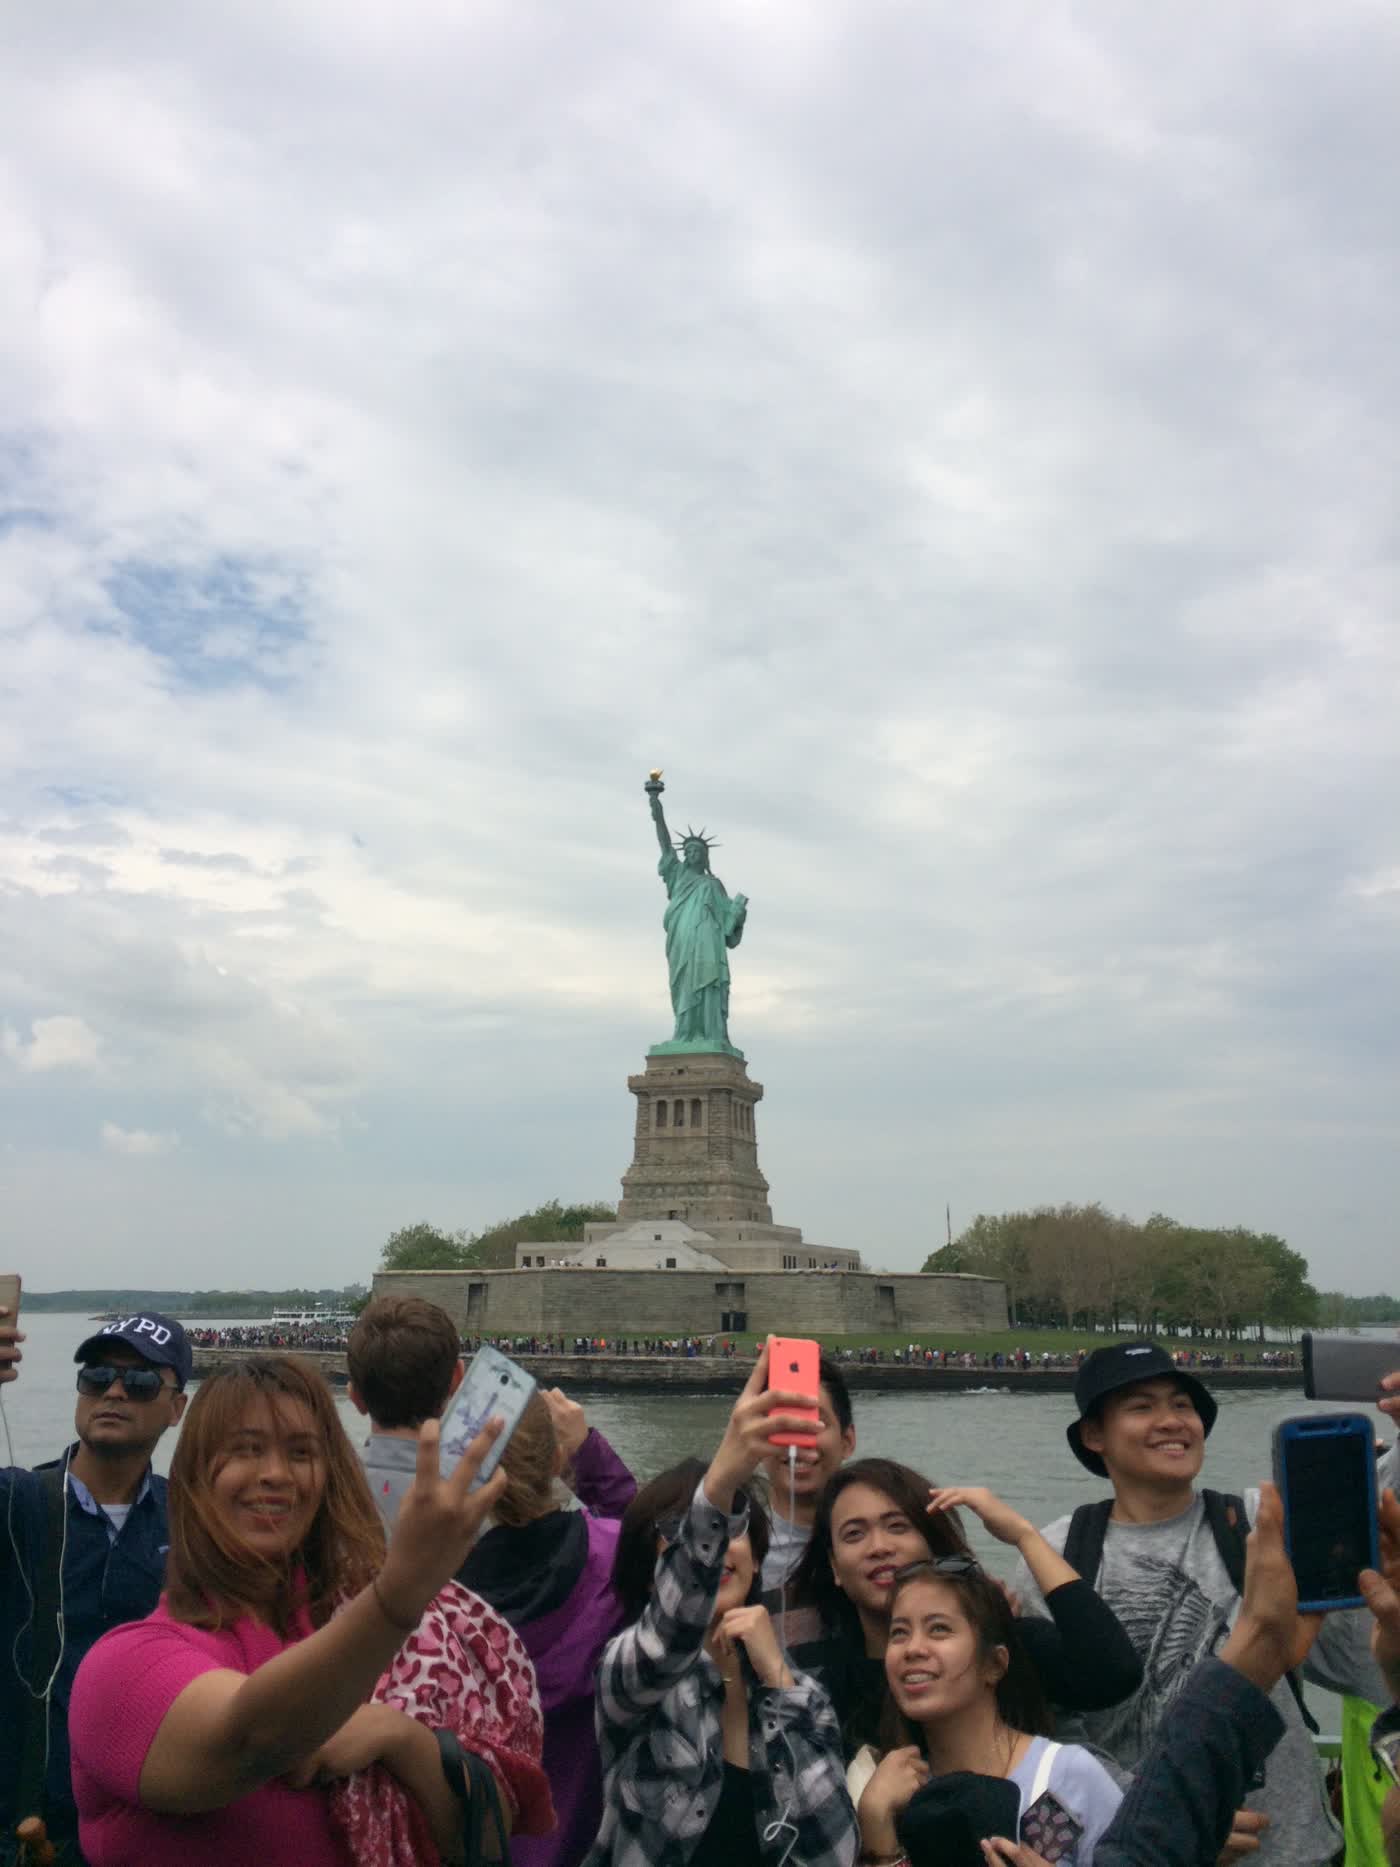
pixel 1328 1480
pixel 493 1388
pixel 794 1366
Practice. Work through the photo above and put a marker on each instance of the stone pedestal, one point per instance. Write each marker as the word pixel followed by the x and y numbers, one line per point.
pixel 696 1152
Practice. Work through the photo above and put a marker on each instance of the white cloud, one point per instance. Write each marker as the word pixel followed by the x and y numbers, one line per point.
pixel 982 509
pixel 58 1043
pixel 137 1142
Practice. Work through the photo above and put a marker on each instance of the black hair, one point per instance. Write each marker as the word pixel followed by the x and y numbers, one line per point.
pixel 1020 1699
pixel 834 1382
pixel 814 1584
pixel 667 1496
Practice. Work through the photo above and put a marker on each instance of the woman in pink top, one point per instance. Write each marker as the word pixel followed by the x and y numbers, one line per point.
pixel 208 1731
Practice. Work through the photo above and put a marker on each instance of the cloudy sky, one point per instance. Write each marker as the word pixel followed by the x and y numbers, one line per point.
pixel 957 442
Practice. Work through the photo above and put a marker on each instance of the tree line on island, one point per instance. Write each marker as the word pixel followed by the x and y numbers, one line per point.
pixel 426 1247
pixel 1083 1267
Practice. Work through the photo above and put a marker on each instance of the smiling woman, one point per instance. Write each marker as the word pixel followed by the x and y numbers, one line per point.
pixel 243 1695
pixel 270 1510
pixel 969 1706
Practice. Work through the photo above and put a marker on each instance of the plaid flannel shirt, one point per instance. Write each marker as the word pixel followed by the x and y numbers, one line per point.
pixel 660 1697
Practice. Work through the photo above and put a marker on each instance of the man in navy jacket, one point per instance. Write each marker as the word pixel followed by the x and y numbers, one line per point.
pixel 84 1550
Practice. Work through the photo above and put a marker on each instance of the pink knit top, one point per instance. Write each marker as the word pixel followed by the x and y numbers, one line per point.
pixel 124 1688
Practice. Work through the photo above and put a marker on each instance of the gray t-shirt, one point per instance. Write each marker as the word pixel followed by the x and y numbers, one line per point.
pixel 1169 1588
pixel 389 1466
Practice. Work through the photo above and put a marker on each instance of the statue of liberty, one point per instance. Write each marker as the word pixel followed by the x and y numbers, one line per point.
pixel 702 923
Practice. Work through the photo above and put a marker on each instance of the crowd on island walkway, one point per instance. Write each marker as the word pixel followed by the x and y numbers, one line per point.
pixel 321 1339
pixel 911 1355
pixel 318 1337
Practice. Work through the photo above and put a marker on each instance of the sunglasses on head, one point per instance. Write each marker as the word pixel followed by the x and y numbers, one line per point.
pixel 937 1565
pixel 138 1383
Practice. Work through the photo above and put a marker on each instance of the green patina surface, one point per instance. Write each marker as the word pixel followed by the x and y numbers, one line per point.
pixel 703 922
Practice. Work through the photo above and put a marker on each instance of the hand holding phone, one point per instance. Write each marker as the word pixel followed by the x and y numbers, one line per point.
pixel 794 1367
pixel 493 1388
pixel 10 1337
pixel 1325 1469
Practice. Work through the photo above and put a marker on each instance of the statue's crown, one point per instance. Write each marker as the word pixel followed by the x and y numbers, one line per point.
pixel 695 836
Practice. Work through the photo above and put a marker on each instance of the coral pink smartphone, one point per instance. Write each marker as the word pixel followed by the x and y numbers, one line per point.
pixel 794 1367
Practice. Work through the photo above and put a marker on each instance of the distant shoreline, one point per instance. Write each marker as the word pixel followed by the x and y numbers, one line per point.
pixel 714 1374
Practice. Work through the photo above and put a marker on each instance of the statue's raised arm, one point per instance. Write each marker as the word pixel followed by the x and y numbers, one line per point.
pixel 702 924
pixel 654 789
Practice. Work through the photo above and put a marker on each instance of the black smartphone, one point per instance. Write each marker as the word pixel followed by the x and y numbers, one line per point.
pixel 1325 1469
pixel 1346 1367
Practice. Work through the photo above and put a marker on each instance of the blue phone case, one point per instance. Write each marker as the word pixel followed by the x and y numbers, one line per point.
pixel 1325 1469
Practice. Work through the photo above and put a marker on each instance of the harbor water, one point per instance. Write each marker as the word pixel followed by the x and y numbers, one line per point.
pixel 1012 1441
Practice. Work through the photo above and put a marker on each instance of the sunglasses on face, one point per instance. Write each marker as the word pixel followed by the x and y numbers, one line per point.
pixel 141 1384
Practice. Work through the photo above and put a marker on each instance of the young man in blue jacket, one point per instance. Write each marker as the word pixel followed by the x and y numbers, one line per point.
pixel 84 1550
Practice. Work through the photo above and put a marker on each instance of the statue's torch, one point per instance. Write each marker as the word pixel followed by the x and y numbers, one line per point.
pixel 653 786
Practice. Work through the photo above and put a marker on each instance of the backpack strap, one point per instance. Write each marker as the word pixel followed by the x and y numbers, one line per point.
pixel 44 1643
pixel 1044 1766
pixel 1228 1523
pixel 1088 1527
pixel 1229 1526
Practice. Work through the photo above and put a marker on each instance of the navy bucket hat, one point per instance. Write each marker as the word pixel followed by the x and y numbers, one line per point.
pixel 1124 1365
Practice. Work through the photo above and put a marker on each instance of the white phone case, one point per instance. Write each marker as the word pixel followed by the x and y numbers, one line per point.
pixel 493 1388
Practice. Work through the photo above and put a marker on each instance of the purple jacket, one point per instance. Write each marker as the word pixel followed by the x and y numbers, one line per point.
pixel 552 1580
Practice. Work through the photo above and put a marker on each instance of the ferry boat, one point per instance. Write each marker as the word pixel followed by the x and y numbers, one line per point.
pixel 322 1318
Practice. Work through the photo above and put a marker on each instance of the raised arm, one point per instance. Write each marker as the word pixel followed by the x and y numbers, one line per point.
pixel 642 1663
pixel 597 1476
pixel 227 1732
pixel 658 817
pixel 1083 1656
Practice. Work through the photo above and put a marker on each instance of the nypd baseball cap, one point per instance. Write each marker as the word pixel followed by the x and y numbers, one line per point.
pixel 1124 1365
pixel 156 1338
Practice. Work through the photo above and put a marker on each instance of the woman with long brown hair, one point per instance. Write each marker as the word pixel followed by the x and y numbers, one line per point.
pixel 965 1708
pixel 207 1731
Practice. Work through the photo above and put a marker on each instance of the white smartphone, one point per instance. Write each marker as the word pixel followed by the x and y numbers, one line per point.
pixel 493 1388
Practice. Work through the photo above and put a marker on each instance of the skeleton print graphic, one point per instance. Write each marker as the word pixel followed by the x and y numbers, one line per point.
pixel 1174 1624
